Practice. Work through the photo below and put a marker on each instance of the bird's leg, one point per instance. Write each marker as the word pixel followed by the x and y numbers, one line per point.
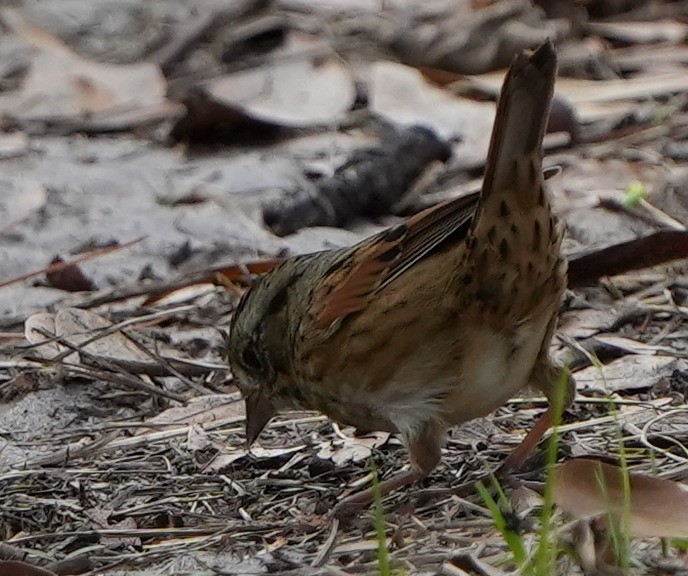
pixel 425 451
pixel 513 462
pixel 519 455
pixel 560 390
pixel 560 394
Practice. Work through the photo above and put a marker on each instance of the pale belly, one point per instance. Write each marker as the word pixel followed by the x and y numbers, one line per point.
pixel 426 389
pixel 500 367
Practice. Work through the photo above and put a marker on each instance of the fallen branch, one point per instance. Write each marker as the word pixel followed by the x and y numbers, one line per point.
pixel 658 248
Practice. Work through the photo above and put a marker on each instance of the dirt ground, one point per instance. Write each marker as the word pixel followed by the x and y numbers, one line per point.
pixel 146 145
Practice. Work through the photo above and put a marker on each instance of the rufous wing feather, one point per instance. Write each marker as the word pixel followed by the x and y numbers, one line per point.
pixel 362 271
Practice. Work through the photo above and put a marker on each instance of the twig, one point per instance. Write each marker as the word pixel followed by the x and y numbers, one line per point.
pixel 62 265
pixel 327 546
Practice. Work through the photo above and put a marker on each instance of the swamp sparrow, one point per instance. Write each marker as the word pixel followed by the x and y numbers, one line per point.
pixel 430 323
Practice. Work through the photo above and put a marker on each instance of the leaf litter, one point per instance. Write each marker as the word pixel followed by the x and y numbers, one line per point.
pixel 121 431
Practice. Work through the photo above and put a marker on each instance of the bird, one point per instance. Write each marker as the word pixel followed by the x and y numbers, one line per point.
pixel 428 324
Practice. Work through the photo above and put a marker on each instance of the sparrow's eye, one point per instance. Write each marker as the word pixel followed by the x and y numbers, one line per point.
pixel 250 358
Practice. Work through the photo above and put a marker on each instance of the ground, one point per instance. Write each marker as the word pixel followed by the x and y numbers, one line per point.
pixel 146 138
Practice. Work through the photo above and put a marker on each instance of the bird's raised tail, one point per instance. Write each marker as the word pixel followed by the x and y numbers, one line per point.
pixel 514 160
pixel 514 249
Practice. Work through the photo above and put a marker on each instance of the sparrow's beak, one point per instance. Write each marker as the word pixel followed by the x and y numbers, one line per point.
pixel 259 411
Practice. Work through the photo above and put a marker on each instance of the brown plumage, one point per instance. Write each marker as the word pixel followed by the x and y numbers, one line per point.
pixel 431 323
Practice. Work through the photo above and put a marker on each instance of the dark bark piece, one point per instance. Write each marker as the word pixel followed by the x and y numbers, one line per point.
pixel 658 248
pixel 369 184
pixel 17 568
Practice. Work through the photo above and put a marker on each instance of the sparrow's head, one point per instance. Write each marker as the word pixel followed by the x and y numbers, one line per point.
pixel 258 346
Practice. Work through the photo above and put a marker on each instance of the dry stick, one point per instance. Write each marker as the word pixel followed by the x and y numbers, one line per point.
pixel 102 332
pixel 163 366
pixel 111 372
pixel 326 549
pixel 152 289
pixel 160 532
pixel 168 365
pixel 644 211
pixel 62 265
pixel 132 442
pixel 652 250
pixel 174 367
pixel 70 452
pixel 178 367
pixel 123 379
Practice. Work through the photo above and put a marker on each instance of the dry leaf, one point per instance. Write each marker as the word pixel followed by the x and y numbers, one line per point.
pixel 38 328
pixel 77 326
pixel 591 98
pixel 352 448
pixel 232 454
pixel 303 84
pixel 294 89
pixel 204 410
pixel 13 145
pixel 627 373
pixel 64 88
pixel 645 32
pixel 581 324
pixel 588 489
pixel 197 438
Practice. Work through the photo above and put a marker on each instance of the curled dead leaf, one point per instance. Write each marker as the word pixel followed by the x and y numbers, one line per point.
pixel 351 448
pixel 587 488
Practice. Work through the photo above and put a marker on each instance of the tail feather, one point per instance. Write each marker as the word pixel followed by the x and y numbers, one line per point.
pixel 522 115
pixel 514 253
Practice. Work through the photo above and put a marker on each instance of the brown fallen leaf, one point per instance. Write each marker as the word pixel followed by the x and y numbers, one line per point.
pixel 71 278
pixel 588 489
pixel 302 84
